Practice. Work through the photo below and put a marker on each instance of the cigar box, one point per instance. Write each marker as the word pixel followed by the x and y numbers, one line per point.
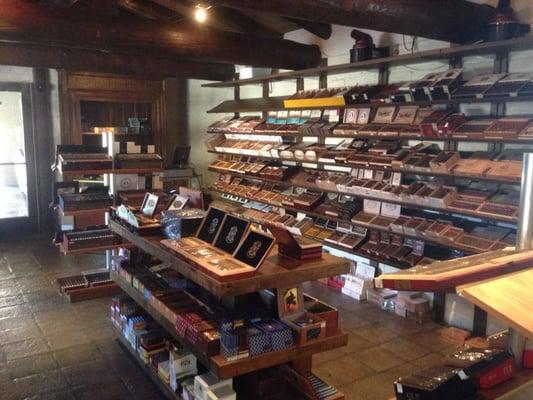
pixel 219 126
pixel 300 227
pixel 452 234
pixel 511 170
pixel 371 129
pixel 437 229
pixel 85 201
pixel 83 239
pixel 498 210
pixel 527 133
pixel 352 241
pixel 463 205
pixel 527 89
pixel 211 225
pixel 325 311
pixel 138 161
pixel 444 162
pixel 390 131
pixel 356 95
pixel 438 383
pixel 442 197
pixel 506 128
pixel 308 327
pixel 230 233
pixel 446 84
pixel 406 115
pixel 82 158
pixel 364 116
pixel 447 126
pixel 489 367
pixel 412 225
pixel 299 248
pixel 429 127
pixel 477 87
pixel 475 243
pixel 420 89
pixel 411 132
pixel 398 225
pixel 471 167
pixel 473 129
pixel 402 94
pixel 382 93
pixel 385 115
pixel 509 86
pixel 373 243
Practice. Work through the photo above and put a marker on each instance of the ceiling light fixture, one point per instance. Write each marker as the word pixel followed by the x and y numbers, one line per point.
pixel 200 13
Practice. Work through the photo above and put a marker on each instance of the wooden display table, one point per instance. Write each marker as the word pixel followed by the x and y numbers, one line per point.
pixel 276 271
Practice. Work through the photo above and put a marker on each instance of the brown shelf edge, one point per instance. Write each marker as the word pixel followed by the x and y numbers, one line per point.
pixel 423 56
pixel 341 165
pixel 226 370
pixel 111 171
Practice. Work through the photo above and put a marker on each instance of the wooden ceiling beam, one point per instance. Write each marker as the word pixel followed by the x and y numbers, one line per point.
pixel 30 23
pixel 148 10
pixel 457 21
pixel 225 19
pixel 96 61
pixel 323 31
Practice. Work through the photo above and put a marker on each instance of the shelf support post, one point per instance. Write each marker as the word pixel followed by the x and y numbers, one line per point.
pixel 517 342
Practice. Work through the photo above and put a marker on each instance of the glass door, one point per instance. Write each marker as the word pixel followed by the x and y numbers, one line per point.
pixel 17 204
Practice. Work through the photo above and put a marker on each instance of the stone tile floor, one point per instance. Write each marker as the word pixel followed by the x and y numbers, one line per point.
pixel 50 349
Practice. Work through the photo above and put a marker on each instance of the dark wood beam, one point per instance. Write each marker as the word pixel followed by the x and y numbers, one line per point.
pixel 30 23
pixel 149 10
pixel 225 19
pixel 319 29
pixel 95 61
pixel 458 21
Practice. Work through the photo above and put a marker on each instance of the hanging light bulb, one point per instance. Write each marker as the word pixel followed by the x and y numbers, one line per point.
pixel 200 14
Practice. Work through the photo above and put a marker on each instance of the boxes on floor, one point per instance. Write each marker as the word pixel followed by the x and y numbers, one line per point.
pixel 208 382
pixel 357 285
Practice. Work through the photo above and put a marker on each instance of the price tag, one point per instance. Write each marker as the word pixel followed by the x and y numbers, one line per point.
pixel 391 210
pixel 316 114
pixel 334 115
pixel 396 179
pixel 368 174
pixel 372 207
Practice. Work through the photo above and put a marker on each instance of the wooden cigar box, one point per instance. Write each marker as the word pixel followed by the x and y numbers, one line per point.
pixel 473 129
pixel 406 115
pixel 430 125
pixel 444 161
pixel 308 327
pixel 437 229
pixel 506 128
pixel 477 86
pixel 420 89
pixel 325 311
pixel 446 84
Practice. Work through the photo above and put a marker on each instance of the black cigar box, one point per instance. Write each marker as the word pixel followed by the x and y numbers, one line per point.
pixel 83 239
pixel 438 383
pixel 446 84
pixel 509 86
pixel 384 94
pixel 86 201
pixel 489 367
pixel 82 158
pixel 356 95
pixel 420 89
pixel 477 87
pixel 402 94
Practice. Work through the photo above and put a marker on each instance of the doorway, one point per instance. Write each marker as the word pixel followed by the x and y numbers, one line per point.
pixel 17 174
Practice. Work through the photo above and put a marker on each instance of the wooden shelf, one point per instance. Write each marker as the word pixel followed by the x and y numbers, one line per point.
pixel 224 369
pixel 162 386
pixel 449 245
pixel 288 183
pixel 92 249
pixel 277 104
pixel 507 298
pixel 276 271
pixel 423 56
pixel 401 170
